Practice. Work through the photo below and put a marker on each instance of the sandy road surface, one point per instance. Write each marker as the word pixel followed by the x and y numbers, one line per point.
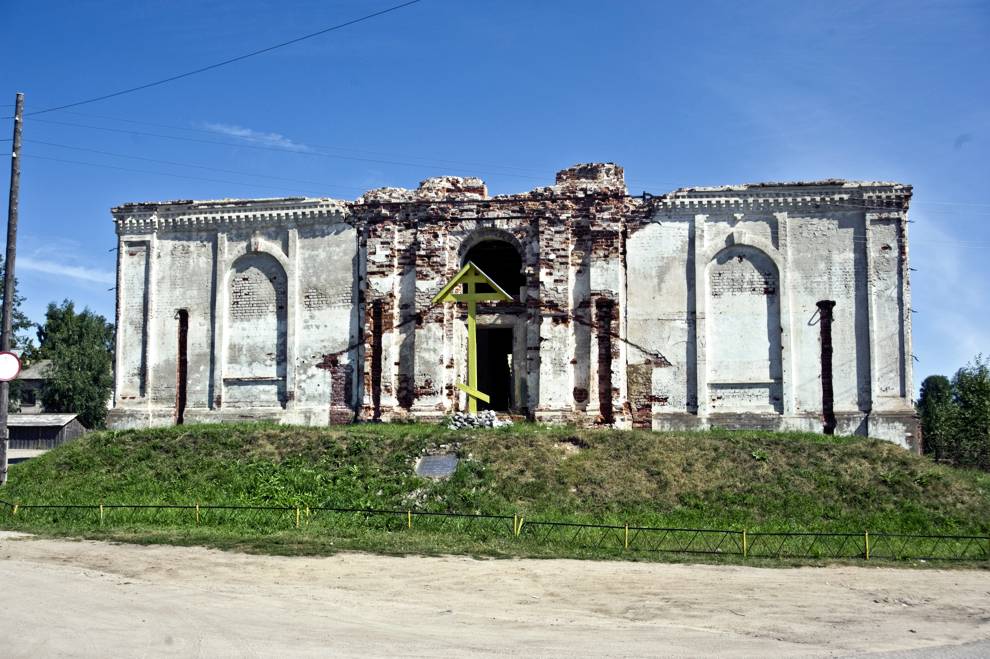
pixel 91 599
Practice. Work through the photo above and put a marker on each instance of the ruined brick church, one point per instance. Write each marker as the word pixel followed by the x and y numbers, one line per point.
pixel 772 305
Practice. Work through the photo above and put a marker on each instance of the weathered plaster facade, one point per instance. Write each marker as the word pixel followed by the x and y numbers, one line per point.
pixel 776 305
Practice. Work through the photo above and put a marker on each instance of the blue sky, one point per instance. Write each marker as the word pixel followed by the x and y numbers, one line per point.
pixel 700 93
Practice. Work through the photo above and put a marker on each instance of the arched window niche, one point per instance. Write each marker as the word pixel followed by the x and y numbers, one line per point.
pixel 743 342
pixel 255 333
pixel 500 259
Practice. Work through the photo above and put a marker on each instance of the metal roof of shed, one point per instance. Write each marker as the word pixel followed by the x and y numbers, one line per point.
pixel 27 420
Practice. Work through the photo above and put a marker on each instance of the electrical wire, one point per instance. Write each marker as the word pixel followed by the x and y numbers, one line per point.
pixel 468 163
pixel 323 154
pixel 145 171
pixel 854 239
pixel 853 206
pixel 828 204
pixel 259 147
pixel 309 149
pixel 195 166
pixel 226 61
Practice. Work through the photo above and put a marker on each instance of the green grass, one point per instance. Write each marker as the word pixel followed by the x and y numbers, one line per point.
pixel 718 479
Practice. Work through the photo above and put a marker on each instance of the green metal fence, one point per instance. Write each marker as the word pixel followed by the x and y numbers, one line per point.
pixel 566 536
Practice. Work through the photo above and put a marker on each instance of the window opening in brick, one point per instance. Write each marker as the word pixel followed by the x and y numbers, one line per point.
pixel 500 261
pixel 603 325
pixel 495 367
pixel 825 327
pixel 182 365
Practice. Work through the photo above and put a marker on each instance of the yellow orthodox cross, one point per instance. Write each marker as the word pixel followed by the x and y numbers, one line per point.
pixel 470 276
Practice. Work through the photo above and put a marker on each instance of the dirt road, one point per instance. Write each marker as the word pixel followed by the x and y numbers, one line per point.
pixel 91 599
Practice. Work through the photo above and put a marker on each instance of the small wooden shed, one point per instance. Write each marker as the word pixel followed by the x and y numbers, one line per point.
pixel 42 432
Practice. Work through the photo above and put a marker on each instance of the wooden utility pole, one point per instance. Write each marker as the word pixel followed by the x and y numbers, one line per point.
pixel 8 278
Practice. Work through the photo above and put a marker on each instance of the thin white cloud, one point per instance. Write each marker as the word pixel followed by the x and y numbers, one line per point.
pixel 255 136
pixel 63 270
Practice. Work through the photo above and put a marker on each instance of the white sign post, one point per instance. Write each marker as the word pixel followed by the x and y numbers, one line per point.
pixel 10 366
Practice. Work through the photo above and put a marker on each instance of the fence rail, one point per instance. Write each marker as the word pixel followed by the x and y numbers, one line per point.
pixel 636 540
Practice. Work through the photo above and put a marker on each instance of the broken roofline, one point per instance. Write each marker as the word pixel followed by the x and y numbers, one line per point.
pixel 577 182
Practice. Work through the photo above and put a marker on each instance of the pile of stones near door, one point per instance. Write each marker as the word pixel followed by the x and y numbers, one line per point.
pixel 483 419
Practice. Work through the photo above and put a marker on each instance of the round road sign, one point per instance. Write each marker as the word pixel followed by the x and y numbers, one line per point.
pixel 10 366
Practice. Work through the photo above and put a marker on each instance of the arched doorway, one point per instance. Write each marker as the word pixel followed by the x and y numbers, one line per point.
pixel 499 330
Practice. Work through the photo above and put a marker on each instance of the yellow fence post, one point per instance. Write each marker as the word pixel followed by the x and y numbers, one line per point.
pixel 866 541
pixel 745 547
pixel 197 514
pixel 627 536
pixel 307 515
pixel 519 530
pixel 409 519
pixel 515 522
pixel 297 517
pixel 16 506
pixel 101 514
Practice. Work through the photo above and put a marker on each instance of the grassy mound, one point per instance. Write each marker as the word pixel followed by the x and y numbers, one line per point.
pixel 717 479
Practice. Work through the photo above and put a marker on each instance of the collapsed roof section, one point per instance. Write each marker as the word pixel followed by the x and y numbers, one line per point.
pixel 581 180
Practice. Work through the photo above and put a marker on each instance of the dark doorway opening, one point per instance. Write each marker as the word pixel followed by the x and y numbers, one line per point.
pixel 603 321
pixel 825 322
pixel 495 367
pixel 500 261
pixel 377 322
pixel 182 367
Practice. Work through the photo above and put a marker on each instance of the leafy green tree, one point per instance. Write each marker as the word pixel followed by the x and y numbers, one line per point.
pixel 936 408
pixel 79 346
pixel 20 340
pixel 971 393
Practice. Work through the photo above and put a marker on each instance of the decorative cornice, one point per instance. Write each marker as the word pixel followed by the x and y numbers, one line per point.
pixel 814 196
pixel 227 214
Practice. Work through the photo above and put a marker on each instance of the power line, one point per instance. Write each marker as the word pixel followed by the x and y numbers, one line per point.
pixel 195 166
pixel 531 175
pixel 323 154
pixel 520 172
pixel 535 173
pixel 853 205
pixel 523 172
pixel 314 192
pixel 145 171
pixel 260 147
pixel 307 151
pixel 855 240
pixel 227 61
